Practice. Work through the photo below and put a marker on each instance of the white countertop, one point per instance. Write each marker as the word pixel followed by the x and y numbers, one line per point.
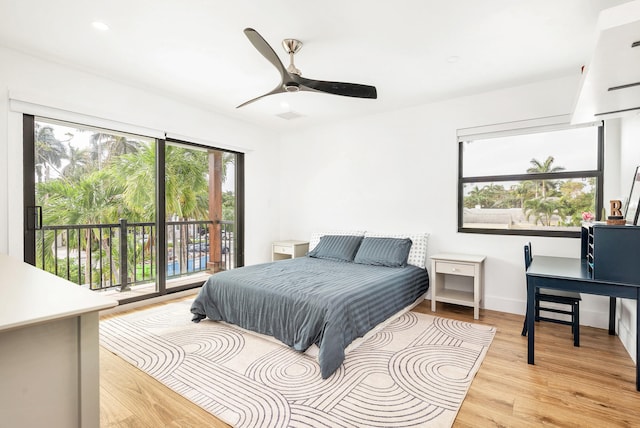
pixel 29 295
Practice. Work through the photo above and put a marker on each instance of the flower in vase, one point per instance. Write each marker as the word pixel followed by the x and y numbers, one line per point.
pixel 587 216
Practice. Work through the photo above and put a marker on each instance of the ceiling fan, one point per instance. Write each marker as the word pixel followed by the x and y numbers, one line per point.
pixel 291 78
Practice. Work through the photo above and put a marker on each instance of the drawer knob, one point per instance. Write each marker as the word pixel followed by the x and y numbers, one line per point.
pixel 454 270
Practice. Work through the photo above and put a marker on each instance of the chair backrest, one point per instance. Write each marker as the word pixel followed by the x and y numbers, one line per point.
pixel 528 255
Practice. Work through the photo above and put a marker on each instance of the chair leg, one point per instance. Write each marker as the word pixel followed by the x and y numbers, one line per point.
pixel 576 324
pixel 524 327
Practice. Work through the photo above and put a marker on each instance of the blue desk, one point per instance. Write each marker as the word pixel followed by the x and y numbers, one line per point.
pixel 561 273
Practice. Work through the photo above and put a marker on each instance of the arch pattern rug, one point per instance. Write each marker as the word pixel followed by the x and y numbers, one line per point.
pixel 414 372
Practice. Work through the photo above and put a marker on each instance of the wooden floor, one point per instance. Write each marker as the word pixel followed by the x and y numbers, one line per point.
pixel 590 386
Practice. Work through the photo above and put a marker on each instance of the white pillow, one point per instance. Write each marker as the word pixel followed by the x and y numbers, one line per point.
pixel 417 254
pixel 315 236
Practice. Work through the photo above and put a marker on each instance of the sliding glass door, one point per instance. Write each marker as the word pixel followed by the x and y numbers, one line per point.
pixel 125 213
pixel 91 218
pixel 200 207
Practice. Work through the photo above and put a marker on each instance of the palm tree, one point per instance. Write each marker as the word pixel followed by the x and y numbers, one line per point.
pixel 186 186
pixel 93 199
pixel 79 161
pixel 543 209
pixel 136 174
pixel 496 195
pixel 544 167
pixel 107 147
pixel 125 188
pixel 49 152
pixel 186 171
pixel 576 201
pixel 475 197
pixel 521 192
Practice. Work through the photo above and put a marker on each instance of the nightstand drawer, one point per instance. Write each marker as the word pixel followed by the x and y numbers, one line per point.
pixel 282 250
pixel 455 268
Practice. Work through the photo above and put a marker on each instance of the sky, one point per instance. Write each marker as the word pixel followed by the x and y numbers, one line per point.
pixel 574 149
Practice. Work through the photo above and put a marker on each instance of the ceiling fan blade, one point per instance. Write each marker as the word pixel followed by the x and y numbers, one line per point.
pixel 278 90
pixel 291 81
pixel 267 51
pixel 338 88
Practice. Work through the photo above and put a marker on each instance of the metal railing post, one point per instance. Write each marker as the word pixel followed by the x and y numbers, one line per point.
pixel 112 257
pixel 124 268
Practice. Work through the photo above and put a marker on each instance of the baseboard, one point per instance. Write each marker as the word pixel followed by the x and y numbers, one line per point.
pixel 146 302
pixel 588 317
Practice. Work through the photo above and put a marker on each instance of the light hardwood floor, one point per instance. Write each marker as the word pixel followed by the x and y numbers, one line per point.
pixel 589 386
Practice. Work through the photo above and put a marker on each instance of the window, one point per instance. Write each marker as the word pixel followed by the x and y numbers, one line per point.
pixel 111 211
pixel 539 177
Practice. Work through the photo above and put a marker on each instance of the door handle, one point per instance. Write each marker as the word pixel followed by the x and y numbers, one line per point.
pixel 34 217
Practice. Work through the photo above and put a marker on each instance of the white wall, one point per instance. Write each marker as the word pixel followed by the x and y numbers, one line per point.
pixel 630 159
pixel 397 172
pixel 70 90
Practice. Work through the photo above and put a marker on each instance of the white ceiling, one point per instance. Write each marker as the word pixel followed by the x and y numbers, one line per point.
pixel 196 51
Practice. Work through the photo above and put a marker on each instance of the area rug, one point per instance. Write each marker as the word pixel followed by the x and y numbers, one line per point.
pixel 414 372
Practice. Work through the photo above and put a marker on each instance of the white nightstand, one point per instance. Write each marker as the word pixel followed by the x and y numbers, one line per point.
pixel 457 264
pixel 281 250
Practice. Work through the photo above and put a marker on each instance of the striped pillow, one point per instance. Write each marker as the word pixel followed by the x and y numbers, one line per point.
pixel 315 236
pixel 392 252
pixel 337 247
pixel 418 253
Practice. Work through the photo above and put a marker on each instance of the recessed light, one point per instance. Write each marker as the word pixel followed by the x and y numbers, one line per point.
pixel 100 26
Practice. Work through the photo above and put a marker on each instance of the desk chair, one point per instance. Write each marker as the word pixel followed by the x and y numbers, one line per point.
pixel 568 298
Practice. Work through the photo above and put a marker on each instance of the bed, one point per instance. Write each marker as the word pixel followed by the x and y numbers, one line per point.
pixel 346 286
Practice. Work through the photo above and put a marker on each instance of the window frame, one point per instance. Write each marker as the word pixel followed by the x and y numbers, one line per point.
pixel 29 196
pixel 598 174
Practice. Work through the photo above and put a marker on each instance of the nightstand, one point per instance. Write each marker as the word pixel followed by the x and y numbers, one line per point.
pixel 281 250
pixel 457 264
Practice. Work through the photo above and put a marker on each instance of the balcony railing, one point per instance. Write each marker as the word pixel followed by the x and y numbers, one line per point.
pixel 105 256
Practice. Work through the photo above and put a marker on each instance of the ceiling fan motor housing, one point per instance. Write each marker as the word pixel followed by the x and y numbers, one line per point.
pixel 291 87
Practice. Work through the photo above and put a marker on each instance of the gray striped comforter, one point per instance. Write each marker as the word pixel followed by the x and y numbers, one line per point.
pixel 307 300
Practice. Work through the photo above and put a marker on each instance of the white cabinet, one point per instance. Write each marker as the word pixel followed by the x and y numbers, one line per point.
pixel 460 265
pixel 281 250
pixel 610 85
pixel 49 350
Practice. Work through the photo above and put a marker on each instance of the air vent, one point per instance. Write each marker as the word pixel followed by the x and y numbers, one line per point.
pixel 289 115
